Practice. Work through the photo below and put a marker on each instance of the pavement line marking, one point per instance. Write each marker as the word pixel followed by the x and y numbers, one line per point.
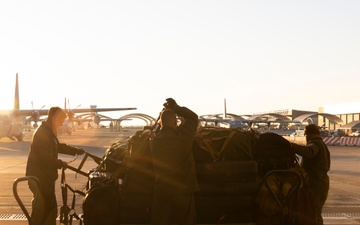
pixel 18 217
pixel 325 216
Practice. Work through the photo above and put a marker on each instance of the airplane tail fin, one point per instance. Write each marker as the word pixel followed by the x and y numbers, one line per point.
pixel 17 99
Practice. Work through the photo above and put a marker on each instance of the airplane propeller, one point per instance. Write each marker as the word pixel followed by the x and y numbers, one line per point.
pixel 70 112
pixel 35 116
pixel 91 117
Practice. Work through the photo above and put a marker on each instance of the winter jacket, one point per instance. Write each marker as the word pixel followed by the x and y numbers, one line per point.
pixel 173 160
pixel 43 161
pixel 316 162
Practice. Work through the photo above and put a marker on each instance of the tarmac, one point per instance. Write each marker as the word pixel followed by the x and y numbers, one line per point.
pixel 342 206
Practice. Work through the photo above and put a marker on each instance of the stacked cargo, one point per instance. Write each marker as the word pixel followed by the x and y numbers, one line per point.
pixel 232 167
pixel 227 175
pixel 227 191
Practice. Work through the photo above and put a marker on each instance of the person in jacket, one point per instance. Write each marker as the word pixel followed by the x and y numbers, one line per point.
pixel 174 167
pixel 316 163
pixel 43 163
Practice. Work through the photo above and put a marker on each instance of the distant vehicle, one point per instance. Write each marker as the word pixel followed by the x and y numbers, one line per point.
pixel 231 124
pixel 355 134
pixel 334 132
pixel 298 133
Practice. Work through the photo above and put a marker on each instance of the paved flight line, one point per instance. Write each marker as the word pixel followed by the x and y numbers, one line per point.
pixel 329 218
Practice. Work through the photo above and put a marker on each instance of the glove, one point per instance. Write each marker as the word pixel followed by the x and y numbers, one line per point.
pixel 64 165
pixel 170 104
pixel 61 164
pixel 80 151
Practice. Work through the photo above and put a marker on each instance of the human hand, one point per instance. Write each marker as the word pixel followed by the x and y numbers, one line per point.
pixel 80 151
pixel 64 165
pixel 170 103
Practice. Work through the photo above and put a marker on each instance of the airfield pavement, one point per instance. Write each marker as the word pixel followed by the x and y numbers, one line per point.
pixel 342 206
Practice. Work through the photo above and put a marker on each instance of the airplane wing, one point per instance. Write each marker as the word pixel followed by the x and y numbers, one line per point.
pixel 91 114
pixel 5 112
pixel 23 112
pixel 44 112
pixel 29 112
pixel 100 110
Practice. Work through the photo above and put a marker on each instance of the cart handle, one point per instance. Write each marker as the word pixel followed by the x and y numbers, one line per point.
pixel 15 184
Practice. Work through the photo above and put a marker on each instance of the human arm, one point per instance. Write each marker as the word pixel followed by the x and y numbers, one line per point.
pixel 308 151
pixel 189 118
pixel 69 150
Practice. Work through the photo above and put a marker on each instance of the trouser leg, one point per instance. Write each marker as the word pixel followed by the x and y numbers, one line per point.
pixel 184 209
pixel 44 206
pixel 169 209
pixel 320 199
pixel 161 210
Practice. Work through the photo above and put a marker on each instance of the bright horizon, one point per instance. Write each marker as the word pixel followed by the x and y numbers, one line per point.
pixel 259 55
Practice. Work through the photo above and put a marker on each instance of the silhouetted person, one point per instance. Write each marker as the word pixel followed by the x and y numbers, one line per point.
pixel 174 167
pixel 111 126
pixel 316 162
pixel 43 163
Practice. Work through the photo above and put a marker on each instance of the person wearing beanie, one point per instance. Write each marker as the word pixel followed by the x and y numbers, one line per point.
pixel 316 162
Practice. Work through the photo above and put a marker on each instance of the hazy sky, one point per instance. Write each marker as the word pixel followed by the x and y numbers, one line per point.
pixel 259 55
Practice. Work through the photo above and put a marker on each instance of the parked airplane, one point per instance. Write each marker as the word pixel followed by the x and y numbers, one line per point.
pixel 223 120
pixel 12 121
pixel 90 114
pixel 229 120
pixel 79 120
